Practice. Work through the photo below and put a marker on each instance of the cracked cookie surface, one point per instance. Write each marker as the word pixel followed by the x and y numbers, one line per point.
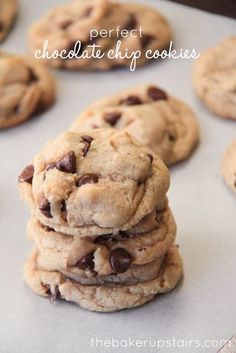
pixel 64 25
pixel 94 182
pixel 214 78
pixel 26 88
pixel 104 298
pixel 161 122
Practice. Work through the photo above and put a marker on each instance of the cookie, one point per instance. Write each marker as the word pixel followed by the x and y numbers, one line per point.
pixel 8 9
pixel 164 124
pixel 95 182
pixel 105 254
pixel 104 298
pixel 229 166
pixel 26 88
pixel 64 25
pixel 214 78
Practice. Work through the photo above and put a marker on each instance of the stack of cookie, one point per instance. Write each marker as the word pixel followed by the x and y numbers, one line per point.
pixel 103 232
pixel 110 22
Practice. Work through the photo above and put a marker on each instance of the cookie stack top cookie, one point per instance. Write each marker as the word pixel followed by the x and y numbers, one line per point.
pixel 66 24
pixel 94 182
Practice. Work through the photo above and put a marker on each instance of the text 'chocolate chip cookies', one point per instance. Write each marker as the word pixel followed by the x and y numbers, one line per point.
pixel 164 124
pixel 8 10
pixel 26 88
pixel 65 25
pixel 104 234
pixel 214 78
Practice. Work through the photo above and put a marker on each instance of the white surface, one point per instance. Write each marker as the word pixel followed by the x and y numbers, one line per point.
pixel 203 307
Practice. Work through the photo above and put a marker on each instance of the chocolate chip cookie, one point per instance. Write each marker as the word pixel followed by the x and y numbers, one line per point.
pixel 65 25
pixel 229 166
pixel 94 260
pixel 214 78
pixel 164 124
pixel 8 9
pixel 95 182
pixel 26 88
pixel 104 298
pixel 102 229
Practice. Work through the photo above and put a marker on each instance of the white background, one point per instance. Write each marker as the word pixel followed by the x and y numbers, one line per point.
pixel 203 306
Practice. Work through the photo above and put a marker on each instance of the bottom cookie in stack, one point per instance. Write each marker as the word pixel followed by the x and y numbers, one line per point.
pixel 106 273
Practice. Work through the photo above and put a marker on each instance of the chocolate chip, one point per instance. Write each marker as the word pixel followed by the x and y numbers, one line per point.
pixel 156 93
pixel 145 40
pixel 131 100
pixel 32 75
pixel 120 260
pixel 132 22
pixel 67 163
pixel 88 12
pixel 63 206
pixel 26 175
pixel 150 156
pixel 45 207
pixel 87 138
pixel 112 117
pixel 87 179
pixel 87 141
pixel 171 137
pixel 86 262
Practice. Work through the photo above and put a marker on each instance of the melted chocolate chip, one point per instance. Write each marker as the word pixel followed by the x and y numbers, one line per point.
pixel 67 163
pixel 112 117
pixel 87 179
pixel 156 93
pixel 87 140
pixel 32 75
pixel 150 156
pixel 86 262
pixel 145 40
pixel 45 207
pixel 26 175
pixel 131 100
pixel 132 22
pixel 120 260
pixel 171 137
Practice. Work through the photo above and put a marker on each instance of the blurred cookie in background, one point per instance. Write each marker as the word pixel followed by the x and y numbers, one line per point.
pixel 26 88
pixel 8 10
pixel 67 24
pixel 163 123
pixel 214 78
